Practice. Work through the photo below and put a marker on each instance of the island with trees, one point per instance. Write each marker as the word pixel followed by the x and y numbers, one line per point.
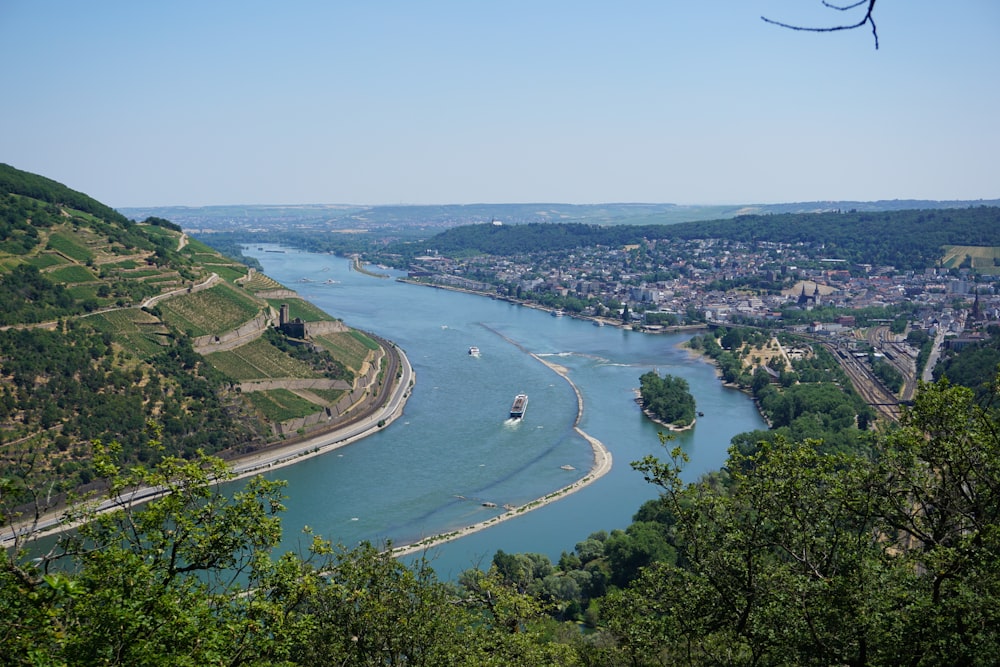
pixel 667 400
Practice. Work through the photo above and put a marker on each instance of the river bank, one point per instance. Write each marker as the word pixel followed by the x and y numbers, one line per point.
pixel 557 312
pixel 601 466
pixel 247 465
pixel 673 428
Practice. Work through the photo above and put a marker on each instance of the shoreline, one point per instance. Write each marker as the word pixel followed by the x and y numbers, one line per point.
pixel 600 467
pixel 696 354
pixel 596 319
pixel 241 467
pixel 673 428
pixel 279 456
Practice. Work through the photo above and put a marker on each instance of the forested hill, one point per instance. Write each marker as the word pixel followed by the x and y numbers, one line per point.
pixel 108 325
pixel 905 239
pixel 15 181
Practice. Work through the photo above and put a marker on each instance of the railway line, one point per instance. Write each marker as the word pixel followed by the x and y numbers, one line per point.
pixel 871 390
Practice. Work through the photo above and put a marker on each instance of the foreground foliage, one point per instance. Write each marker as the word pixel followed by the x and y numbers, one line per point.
pixel 806 557
pixel 793 554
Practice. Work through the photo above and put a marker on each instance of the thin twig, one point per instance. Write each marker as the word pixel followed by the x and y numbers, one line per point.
pixel 867 19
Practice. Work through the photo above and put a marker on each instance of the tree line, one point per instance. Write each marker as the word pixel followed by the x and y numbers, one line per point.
pixel 791 554
pixel 907 239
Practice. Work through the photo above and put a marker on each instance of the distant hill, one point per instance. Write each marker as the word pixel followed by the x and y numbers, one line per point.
pixel 108 325
pixel 408 221
pixel 906 239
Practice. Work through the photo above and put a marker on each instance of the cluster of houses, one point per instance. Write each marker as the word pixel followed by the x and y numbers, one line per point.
pixel 723 281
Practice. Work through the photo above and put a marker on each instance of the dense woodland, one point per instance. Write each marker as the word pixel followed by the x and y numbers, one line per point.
pixel 667 398
pixel 828 539
pixel 904 239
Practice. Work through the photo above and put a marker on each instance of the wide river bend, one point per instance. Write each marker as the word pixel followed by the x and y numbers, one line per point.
pixel 454 451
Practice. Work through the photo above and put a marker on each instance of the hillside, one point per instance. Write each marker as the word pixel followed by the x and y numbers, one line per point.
pixel 109 326
pixel 907 239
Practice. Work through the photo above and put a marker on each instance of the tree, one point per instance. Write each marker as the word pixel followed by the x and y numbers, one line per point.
pixel 187 577
pixel 806 557
pixel 377 611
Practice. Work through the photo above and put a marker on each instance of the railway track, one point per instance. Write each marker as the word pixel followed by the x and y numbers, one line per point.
pixel 871 390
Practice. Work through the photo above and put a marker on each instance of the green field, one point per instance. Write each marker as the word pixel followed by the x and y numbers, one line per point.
pixel 216 310
pixel 350 347
pixel 140 332
pixel 70 247
pixel 124 264
pixel 259 360
pixel 73 273
pixel 983 259
pixel 228 272
pixel 85 293
pixel 280 405
pixel 161 232
pixel 331 396
pixel 46 259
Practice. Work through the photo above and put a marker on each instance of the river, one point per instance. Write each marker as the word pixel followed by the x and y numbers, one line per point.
pixel 454 449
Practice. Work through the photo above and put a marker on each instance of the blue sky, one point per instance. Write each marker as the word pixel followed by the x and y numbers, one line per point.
pixel 433 102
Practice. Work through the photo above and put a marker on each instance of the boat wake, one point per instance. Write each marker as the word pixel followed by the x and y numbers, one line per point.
pixel 594 357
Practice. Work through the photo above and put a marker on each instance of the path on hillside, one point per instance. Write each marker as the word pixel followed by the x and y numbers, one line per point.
pixel 208 282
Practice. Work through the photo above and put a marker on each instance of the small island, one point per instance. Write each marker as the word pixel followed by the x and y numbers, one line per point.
pixel 667 400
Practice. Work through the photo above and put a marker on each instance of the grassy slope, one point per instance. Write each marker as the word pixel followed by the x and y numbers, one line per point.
pixel 87 361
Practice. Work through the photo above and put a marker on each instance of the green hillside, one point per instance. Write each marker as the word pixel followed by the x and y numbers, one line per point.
pixel 108 325
pixel 906 239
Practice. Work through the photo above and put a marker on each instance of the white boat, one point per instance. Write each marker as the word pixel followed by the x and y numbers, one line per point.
pixel 519 406
pixel 474 351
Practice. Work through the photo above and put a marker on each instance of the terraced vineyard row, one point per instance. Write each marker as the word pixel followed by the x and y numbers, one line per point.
pixel 259 360
pixel 348 346
pixel 212 311
pixel 280 405
pixel 143 333
pixel 259 282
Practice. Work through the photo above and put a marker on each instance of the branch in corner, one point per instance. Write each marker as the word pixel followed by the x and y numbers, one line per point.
pixel 868 19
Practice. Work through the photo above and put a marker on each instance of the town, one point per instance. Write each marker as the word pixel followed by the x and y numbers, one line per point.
pixel 875 316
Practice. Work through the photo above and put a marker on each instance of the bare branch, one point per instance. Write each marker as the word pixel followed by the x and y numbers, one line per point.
pixel 867 19
pixel 844 9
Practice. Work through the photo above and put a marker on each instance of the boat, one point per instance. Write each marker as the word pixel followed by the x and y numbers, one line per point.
pixel 557 313
pixel 519 406
pixel 474 351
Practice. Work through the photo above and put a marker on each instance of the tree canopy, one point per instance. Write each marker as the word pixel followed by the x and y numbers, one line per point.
pixel 667 398
pixel 790 555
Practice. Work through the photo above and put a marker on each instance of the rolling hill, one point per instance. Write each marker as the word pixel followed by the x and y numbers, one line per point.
pixel 116 330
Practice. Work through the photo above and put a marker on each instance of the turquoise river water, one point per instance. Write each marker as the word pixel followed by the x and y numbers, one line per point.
pixel 454 448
